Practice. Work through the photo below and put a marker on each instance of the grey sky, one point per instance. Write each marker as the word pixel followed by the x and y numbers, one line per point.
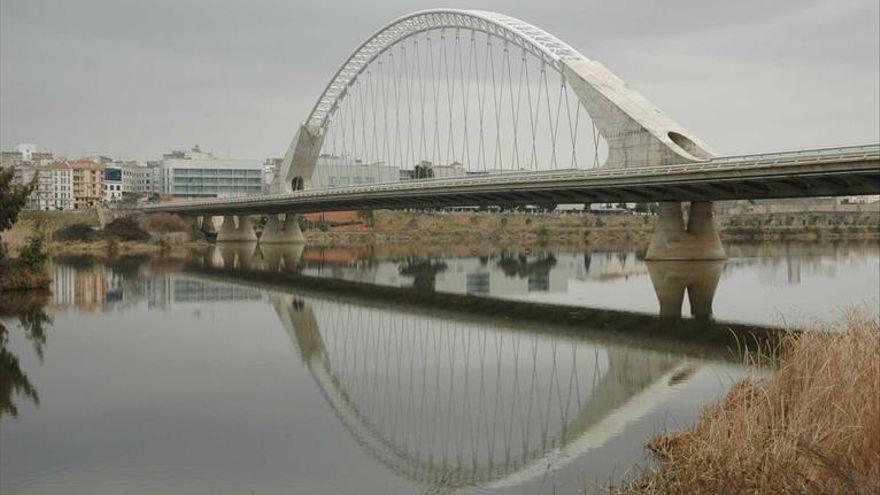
pixel 135 78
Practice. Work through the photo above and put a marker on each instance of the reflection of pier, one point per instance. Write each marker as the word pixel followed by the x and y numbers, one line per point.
pixel 671 279
pixel 442 391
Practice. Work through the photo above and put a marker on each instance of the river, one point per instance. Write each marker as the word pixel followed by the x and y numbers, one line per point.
pixel 392 369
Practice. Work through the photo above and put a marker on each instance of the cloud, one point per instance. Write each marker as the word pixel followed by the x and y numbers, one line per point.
pixel 135 79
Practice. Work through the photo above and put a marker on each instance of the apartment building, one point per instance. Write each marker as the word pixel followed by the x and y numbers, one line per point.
pixel 88 184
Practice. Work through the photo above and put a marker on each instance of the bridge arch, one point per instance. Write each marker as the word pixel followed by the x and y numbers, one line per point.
pixel 636 132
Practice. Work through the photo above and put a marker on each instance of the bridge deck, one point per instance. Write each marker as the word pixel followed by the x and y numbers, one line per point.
pixel 822 172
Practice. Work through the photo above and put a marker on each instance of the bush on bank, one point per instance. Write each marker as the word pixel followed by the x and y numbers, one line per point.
pixel 813 427
pixel 76 232
pixel 126 229
pixel 28 270
pixel 164 223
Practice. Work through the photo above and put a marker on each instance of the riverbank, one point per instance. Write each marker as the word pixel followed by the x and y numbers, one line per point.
pixel 812 427
pixel 482 228
pixel 100 246
pixel 476 229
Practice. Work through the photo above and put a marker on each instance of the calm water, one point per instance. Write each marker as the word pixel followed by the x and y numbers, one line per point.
pixel 256 371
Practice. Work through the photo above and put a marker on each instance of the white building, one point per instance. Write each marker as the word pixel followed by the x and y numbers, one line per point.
pixel 54 189
pixel 341 171
pixel 428 170
pixel 62 187
pixel 113 183
pixel 196 174
pixel 140 178
pixel 27 150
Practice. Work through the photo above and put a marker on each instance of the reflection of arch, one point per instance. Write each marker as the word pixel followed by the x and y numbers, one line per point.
pixel 631 383
pixel 639 364
pixel 637 132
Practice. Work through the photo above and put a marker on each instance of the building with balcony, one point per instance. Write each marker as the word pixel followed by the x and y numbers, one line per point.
pixel 88 184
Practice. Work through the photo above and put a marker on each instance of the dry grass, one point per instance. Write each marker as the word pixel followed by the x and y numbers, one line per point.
pixel 812 427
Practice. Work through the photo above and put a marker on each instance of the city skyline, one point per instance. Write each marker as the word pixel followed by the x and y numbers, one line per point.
pixel 237 80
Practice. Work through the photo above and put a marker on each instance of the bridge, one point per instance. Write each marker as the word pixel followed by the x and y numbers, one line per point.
pixel 451 107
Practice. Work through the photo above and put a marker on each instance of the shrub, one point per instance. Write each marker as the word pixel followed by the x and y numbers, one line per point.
pixel 33 253
pixel 75 232
pixel 164 223
pixel 126 229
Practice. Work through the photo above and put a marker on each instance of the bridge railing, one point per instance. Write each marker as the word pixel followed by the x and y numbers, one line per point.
pixel 740 162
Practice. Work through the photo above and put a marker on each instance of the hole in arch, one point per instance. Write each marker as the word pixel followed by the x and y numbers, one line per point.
pixel 686 144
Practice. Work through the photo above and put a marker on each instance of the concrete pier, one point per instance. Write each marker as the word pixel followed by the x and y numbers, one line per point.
pixel 278 232
pixel 672 242
pixel 243 232
pixel 207 225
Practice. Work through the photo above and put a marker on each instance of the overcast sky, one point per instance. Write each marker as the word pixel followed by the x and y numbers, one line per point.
pixel 135 78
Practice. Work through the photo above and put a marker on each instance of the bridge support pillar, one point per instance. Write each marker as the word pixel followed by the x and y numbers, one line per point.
pixel 672 242
pixel 287 232
pixel 207 225
pixel 244 232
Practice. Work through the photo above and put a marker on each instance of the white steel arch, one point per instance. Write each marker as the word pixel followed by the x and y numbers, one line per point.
pixel 532 39
pixel 637 133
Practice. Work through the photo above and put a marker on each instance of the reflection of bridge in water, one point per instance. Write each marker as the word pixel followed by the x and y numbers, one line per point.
pixel 671 279
pixel 451 400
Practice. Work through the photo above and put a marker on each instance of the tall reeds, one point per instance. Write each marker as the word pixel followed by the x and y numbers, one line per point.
pixel 812 426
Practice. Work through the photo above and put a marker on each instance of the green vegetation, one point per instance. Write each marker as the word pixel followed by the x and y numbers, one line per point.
pixel 27 307
pixel 33 253
pixel 12 199
pixel 121 229
pixel 126 229
pixel 76 232
pixel 28 271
